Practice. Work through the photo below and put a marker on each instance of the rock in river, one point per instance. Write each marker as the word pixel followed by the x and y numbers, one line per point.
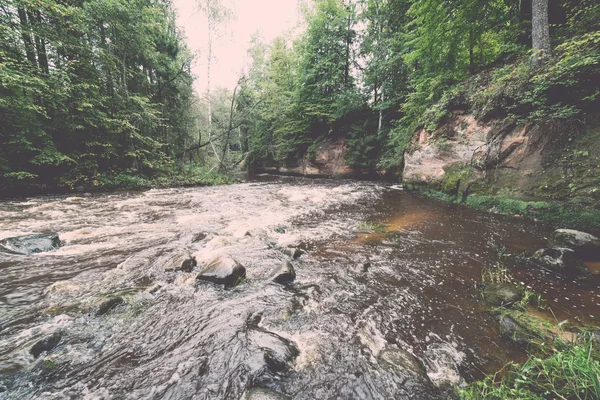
pixel 263 394
pixel 185 263
pixel 284 274
pixel 501 294
pixel 30 244
pixel 223 270
pixel 559 259
pixel 45 344
pixel 584 244
pixel 108 305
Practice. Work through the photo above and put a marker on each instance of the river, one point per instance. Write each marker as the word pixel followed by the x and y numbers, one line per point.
pixel 362 295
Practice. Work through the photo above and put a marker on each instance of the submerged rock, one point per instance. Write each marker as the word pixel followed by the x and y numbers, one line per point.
pixel 293 252
pixel 198 237
pixel 264 394
pixel 30 244
pixel 559 259
pixel 45 344
pixel 223 270
pixel 408 370
pixel 108 305
pixel 185 263
pixel 284 274
pixel 584 244
pixel 501 294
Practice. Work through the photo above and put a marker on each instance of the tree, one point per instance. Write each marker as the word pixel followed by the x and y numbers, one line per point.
pixel 540 32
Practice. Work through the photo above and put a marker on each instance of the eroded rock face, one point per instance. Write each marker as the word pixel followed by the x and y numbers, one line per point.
pixel 501 294
pixel 284 274
pixel 584 244
pixel 560 259
pixel 30 244
pixel 223 270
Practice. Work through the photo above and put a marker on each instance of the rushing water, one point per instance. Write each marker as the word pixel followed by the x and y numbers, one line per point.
pixel 357 296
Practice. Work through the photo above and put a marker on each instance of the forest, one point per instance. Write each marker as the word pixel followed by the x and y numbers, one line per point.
pixel 99 93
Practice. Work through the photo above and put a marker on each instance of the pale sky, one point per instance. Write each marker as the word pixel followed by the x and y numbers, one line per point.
pixel 271 17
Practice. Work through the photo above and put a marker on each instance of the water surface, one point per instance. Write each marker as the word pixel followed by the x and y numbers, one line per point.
pixel 360 291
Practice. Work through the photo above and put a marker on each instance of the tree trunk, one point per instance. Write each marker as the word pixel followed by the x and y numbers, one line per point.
pixel 540 32
pixel 26 36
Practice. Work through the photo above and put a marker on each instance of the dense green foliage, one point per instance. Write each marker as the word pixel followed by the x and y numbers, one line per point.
pixel 372 71
pixel 90 88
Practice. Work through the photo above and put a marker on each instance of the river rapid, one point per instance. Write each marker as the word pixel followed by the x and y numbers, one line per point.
pixel 385 304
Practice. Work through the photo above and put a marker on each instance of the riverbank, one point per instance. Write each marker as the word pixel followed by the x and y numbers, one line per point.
pixel 192 175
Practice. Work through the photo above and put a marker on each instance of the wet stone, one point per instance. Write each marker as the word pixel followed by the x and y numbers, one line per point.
pixel 274 354
pixel 501 294
pixel 108 305
pixel 515 331
pixel 225 271
pixel 284 274
pixel 584 244
pixel 198 237
pixel 559 259
pixel 185 263
pixel 46 344
pixel 264 394
pixel 30 244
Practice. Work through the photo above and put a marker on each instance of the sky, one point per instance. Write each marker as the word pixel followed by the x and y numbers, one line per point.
pixel 271 17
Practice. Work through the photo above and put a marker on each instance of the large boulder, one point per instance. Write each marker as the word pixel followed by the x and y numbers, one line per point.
pixel 223 270
pixel 501 294
pixel 559 259
pixel 284 274
pixel 30 244
pixel 584 244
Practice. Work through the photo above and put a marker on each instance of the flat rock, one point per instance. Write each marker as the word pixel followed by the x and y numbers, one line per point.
pixel 223 270
pixel 501 294
pixel 30 244
pixel 284 274
pixel 584 244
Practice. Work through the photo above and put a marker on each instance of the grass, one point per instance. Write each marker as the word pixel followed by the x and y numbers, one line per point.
pixel 555 213
pixel 563 371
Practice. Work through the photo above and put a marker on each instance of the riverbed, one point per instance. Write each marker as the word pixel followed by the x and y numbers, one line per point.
pixel 380 274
